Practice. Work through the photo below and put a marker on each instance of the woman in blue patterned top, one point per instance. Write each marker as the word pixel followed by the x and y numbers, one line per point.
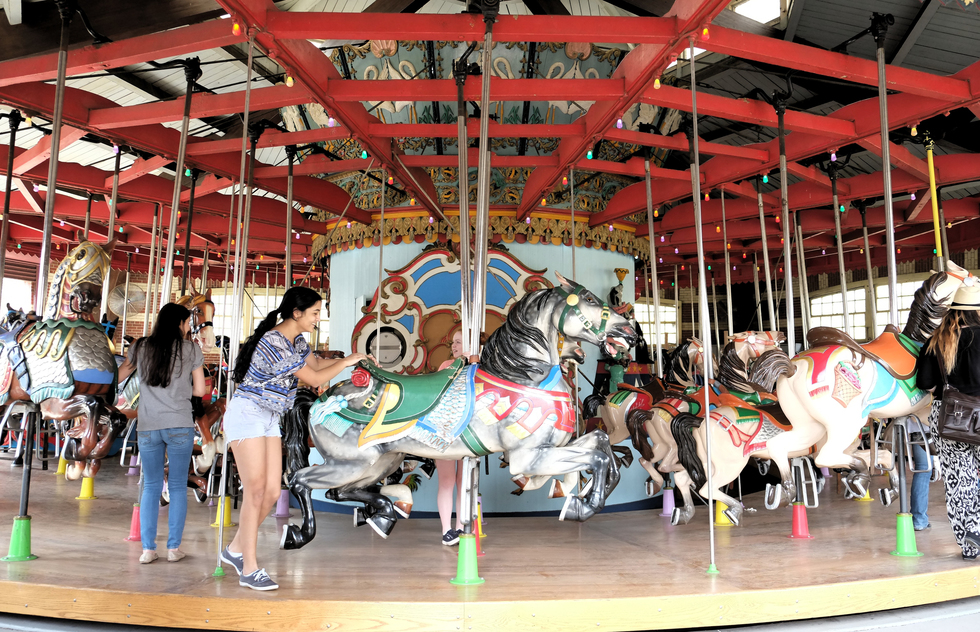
pixel 266 372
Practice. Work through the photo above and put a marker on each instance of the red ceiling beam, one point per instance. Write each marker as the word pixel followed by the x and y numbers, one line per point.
pixel 209 184
pixel 829 64
pixel 746 111
pixel 464 27
pixel 35 201
pixel 901 157
pixel 678 142
pixel 496 130
pixel 270 138
pixel 92 58
pixel 638 69
pixel 138 169
pixel 915 208
pixel 41 152
pixel 312 166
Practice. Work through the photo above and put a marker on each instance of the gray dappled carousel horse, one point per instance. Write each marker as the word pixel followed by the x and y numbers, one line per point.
pixel 64 362
pixel 514 401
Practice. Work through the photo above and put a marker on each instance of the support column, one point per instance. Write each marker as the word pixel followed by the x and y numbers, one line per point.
pixel 879 28
pixel 14 120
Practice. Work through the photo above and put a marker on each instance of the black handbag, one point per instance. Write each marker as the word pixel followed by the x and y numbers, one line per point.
pixel 959 414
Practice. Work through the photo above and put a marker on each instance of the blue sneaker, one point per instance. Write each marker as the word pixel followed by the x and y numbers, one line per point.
pixel 235 559
pixel 259 580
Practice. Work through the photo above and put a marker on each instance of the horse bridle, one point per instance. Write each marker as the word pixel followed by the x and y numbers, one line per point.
pixel 197 328
pixel 572 299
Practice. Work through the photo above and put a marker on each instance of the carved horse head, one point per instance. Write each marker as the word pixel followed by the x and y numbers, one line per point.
pixel 76 289
pixel 202 315
pixel 749 345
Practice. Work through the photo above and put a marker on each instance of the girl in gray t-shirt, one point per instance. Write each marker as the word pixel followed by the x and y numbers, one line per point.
pixel 171 371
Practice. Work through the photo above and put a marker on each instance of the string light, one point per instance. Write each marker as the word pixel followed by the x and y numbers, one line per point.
pixel 37 187
pixel 412 202
pixel 717 229
pixel 915 131
pixel 610 228
pixel 662 239
pixel 913 197
pixel 364 154
pixel 744 256
pixel 833 156
pixel 391 180
pixel 236 28
pixel 137 249
pixel 564 181
pixel 765 178
pixel 115 149
pixel 823 251
pixel 527 220
pixel 331 121
pixel 588 155
pixel 706 197
pixel 619 123
pixel 431 219
pixel 656 212
pixel 656 86
pixel 62 223
pixel 187 172
pixel 544 202
pixel 677 252
pixel 841 208
pixel 289 81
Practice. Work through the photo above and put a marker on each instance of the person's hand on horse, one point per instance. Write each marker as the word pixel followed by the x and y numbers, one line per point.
pixel 355 358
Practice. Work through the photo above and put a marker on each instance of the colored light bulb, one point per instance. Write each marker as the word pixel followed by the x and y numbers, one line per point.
pixel 765 179
pixel 656 212
pixel 544 202
pixel 619 123
pixel 431 219
pixel 705 35
pixel 709 268
pixel 661 259
pixel 564 181
pixel 412 201
pixel 297 235
pixel 236 28
pixel 913 197
pixel 588 155
pixel 706 197
pixel 656 83
pixel 137 250
pixel 331 121
pixel 841 208
pixel 610 228
pixel 833 156
pixel 115 150
pixel 120 229
pixel 662 238
pixel 527 221
pixel 364 154
pixel 717 229
pixel 37 187
pixel 744 255
pixel 391 180
pixel 289 81
pixel 823 251
pixel 676 251
pixel 915 131
pixel 62 223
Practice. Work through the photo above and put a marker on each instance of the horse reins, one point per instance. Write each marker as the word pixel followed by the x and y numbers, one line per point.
pixel 571 306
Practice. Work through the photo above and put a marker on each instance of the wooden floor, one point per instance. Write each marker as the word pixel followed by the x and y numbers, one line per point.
pixel 622 571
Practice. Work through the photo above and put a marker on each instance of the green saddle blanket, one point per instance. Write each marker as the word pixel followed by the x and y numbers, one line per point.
pixel 405 397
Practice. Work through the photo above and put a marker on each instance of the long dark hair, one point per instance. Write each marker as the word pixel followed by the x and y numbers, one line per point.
pixel 295 298
pixel 163 347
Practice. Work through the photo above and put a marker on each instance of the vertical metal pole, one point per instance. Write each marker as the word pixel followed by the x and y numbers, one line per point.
pixel 30 421
pixel 714 307
pixel 703 304
pixel 291 156
pixel 381 267
pixel 168 266
pixel 571 185
pixel 483 193
pixel 695 299
pixel 13 120
pixel 879 26
pixel 652 278
pixel 773 318
pixel 840 250
pixel 148 300
pixel 728 268
pixel 187 241
pixel 125 314
pixel 942 224
pixel 205 266
pixel 804 284
pixel 872 299
pixel 114 198
pixel 679 315
pixel 157 275
pixel 465 265
pixel 940 251
pixel 88 218
pixel 66 10
pixel 758 295
pixel 787 256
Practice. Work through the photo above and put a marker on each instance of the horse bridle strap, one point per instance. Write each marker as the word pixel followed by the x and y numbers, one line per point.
pixel 571 306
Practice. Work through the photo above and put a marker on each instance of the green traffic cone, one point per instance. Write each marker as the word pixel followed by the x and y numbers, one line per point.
pixel 20 541
pixel 905 537
pixel 467 573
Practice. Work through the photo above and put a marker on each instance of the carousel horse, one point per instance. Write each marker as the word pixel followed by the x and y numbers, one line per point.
pixel 514 401
pixel 831 388
pixel 64 362
pixel 651 429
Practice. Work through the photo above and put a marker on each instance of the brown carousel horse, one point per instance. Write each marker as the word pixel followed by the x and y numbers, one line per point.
pixel 65 363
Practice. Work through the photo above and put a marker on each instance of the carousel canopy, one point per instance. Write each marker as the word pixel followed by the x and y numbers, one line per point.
pixel 581 93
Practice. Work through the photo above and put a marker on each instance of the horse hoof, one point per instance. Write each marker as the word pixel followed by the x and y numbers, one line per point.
pixel 404 509
pixel 887 496
pixel 575 510
pixel 773 495
pixel 200 495
pixel 675 517
pixel 652 488
pixel 733 515
pixel 359 519
pixel 382 525
pixel 74 471
pixel 292 538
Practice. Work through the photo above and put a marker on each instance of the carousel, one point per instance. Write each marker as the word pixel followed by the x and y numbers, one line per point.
pixel 692 249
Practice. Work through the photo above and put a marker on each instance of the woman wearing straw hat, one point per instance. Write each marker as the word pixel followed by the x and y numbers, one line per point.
pixel 955 347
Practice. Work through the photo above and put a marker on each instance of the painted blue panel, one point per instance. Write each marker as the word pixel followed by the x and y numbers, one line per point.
pixel 506 268
pixel 439 290
pixel 496 282
pixel 407 321
pixel 429 265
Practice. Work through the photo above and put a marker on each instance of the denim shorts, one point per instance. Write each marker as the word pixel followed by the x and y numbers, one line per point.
pixel 244 419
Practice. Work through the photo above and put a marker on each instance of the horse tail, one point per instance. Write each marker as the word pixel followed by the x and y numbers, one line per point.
pixel 682 428
pixel 636 422
pixel 296 431
pixel 769 367
pixel 590 407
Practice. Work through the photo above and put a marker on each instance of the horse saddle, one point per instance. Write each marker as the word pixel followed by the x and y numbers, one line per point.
pixel 396 402
pixel 893 350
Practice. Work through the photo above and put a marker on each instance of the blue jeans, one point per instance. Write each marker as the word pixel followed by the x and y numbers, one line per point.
pixel 920 488
pixel 178 444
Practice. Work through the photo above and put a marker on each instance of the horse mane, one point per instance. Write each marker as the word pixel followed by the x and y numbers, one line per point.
pixel 676 372
pixel 927 310
pixel 682 428
pixel 52 306
pixel 296 431
pixel 767 369
pixel 591 404
pixel 636 422
pixel 505 354
pixel 732 371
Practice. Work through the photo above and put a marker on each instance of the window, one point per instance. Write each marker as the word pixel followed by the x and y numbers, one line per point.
pixel 18 294
pixel 258 303
pixel 828 311
pixel 668 322
pixel 906 292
